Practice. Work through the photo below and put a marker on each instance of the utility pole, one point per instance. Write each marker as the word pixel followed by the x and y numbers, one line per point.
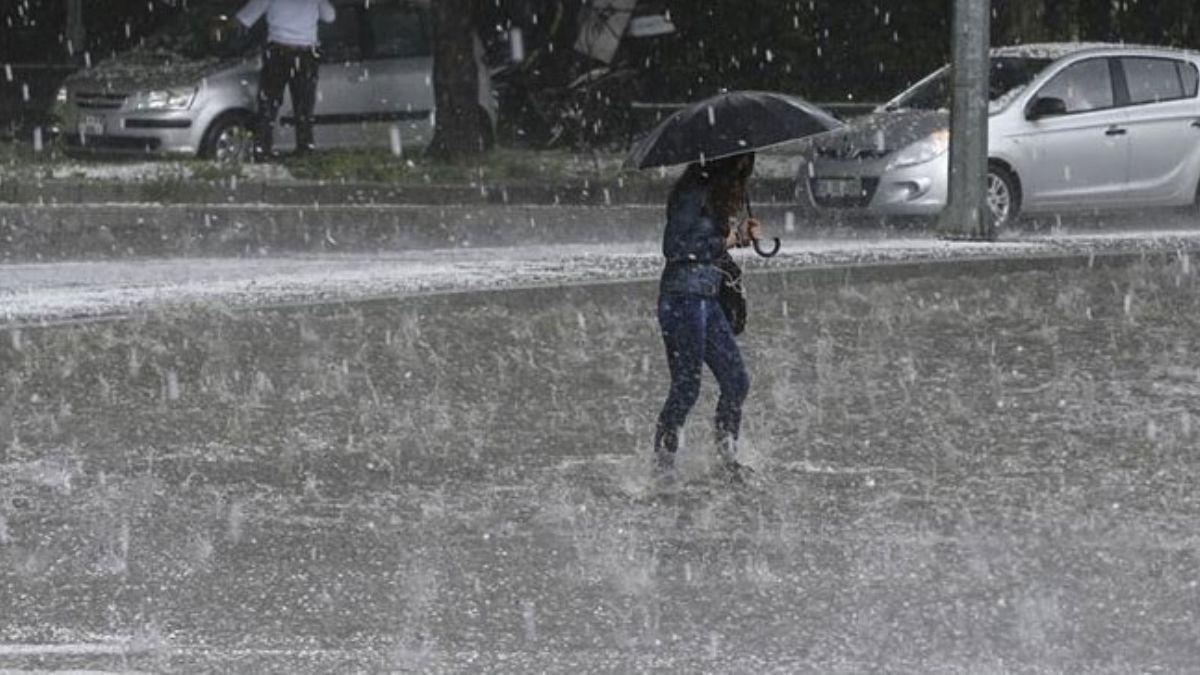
pixel 966 214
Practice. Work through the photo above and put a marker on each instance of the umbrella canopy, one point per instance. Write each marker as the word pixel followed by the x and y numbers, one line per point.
pixel 729 124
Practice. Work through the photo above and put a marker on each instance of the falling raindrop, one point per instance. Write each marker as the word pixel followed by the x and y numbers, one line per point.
pixel 397 145
pixel 789 222
pixel 8 72
pixel 529 620
pixel 236 521
pixel 172 389
pixel 37 139
pixel 516 42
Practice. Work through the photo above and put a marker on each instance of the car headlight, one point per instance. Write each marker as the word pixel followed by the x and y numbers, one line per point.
pixel 929 148
pixel 165 99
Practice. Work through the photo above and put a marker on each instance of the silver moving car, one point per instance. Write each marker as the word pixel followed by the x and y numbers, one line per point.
pixel 1072 126
pixel 177 94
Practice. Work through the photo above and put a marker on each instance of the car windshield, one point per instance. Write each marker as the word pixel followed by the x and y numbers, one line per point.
pixel 1010 75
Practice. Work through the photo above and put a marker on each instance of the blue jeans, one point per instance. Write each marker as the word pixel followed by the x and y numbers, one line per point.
pixel 696 332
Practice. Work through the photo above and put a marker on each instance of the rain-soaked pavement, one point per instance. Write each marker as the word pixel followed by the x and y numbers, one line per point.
pixel 979 468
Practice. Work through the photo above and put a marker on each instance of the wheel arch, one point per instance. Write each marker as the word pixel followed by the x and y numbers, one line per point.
pixel 243 115
pixel 1011 171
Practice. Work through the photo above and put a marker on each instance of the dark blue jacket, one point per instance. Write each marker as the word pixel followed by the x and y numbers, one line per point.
pixel 693 241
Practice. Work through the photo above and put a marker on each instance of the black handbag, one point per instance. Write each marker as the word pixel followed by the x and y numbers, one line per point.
pixel 733 293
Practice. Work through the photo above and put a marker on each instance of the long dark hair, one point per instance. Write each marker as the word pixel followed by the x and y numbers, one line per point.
pixel 725 180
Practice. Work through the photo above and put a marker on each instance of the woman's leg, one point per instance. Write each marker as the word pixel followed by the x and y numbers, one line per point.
pixel 682 319
pixel 724 358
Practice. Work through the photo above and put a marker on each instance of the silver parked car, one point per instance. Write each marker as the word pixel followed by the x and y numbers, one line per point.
pixel 178 94
pixel 1071 126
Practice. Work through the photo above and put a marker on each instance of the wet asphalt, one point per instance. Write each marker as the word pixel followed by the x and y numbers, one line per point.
pixel 959 468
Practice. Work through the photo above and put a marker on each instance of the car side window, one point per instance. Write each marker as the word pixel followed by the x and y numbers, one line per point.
pixel 1154 80
pixel 341 41
pixel 1190 78
pixel 1083 86
pixel 399 31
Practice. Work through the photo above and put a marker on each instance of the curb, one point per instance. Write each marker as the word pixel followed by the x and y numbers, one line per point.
pixel 57 232
pixel 181 191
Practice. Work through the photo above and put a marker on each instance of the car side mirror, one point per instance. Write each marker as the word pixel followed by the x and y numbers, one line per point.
pixel 1046 106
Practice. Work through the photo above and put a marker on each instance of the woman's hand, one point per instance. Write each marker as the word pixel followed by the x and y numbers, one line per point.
pixel 753 229
pixel 744 234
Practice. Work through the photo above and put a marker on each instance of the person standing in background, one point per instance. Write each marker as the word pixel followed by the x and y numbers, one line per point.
pixel 290 59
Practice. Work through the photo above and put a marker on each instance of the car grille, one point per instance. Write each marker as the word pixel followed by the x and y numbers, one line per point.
pixel 97 100
pixel 851 153
pixel 869 185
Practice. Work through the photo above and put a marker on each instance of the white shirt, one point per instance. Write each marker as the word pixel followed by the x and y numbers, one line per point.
pixel 290 22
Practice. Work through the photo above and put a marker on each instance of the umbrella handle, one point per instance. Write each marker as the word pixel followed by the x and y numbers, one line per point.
pixel 767 254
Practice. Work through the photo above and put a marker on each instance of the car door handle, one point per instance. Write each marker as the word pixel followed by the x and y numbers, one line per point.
pixel 1114 131
pixel 1196 124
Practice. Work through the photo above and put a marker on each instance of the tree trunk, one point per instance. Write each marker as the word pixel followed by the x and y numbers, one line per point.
pixel 460 123
pixel 966 214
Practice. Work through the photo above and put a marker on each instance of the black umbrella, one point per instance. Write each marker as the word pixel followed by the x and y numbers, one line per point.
pixel 729 124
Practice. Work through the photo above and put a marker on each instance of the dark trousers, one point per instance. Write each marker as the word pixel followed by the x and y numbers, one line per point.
pixel 695 333
pixel 295 68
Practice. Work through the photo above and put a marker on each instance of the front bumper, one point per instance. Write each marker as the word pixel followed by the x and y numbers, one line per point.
pixel 918 190
pixel 121 132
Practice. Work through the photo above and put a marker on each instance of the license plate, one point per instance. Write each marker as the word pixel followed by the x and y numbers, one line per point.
pixel 838 187
pixel 92 125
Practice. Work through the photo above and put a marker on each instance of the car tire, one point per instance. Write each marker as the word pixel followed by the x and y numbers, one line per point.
pixel 229 139
pixel 1003 196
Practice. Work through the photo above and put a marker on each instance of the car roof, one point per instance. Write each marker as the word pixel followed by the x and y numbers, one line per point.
pixel 351 3
pixel 1058 50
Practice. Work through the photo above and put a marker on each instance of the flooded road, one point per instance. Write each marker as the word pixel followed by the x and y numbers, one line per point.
pixel 979 469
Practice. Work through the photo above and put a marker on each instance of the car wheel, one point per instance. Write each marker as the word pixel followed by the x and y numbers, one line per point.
pixel 228 140
pixel 1003 196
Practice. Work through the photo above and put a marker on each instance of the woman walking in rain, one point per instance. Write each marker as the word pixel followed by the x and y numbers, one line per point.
pixel 702 225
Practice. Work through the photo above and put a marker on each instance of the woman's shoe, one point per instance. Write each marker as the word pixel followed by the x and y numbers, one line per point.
pixel 737 473
pixel 666 443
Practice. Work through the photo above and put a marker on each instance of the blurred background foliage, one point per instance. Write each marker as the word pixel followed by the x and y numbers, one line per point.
pixel 829 51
